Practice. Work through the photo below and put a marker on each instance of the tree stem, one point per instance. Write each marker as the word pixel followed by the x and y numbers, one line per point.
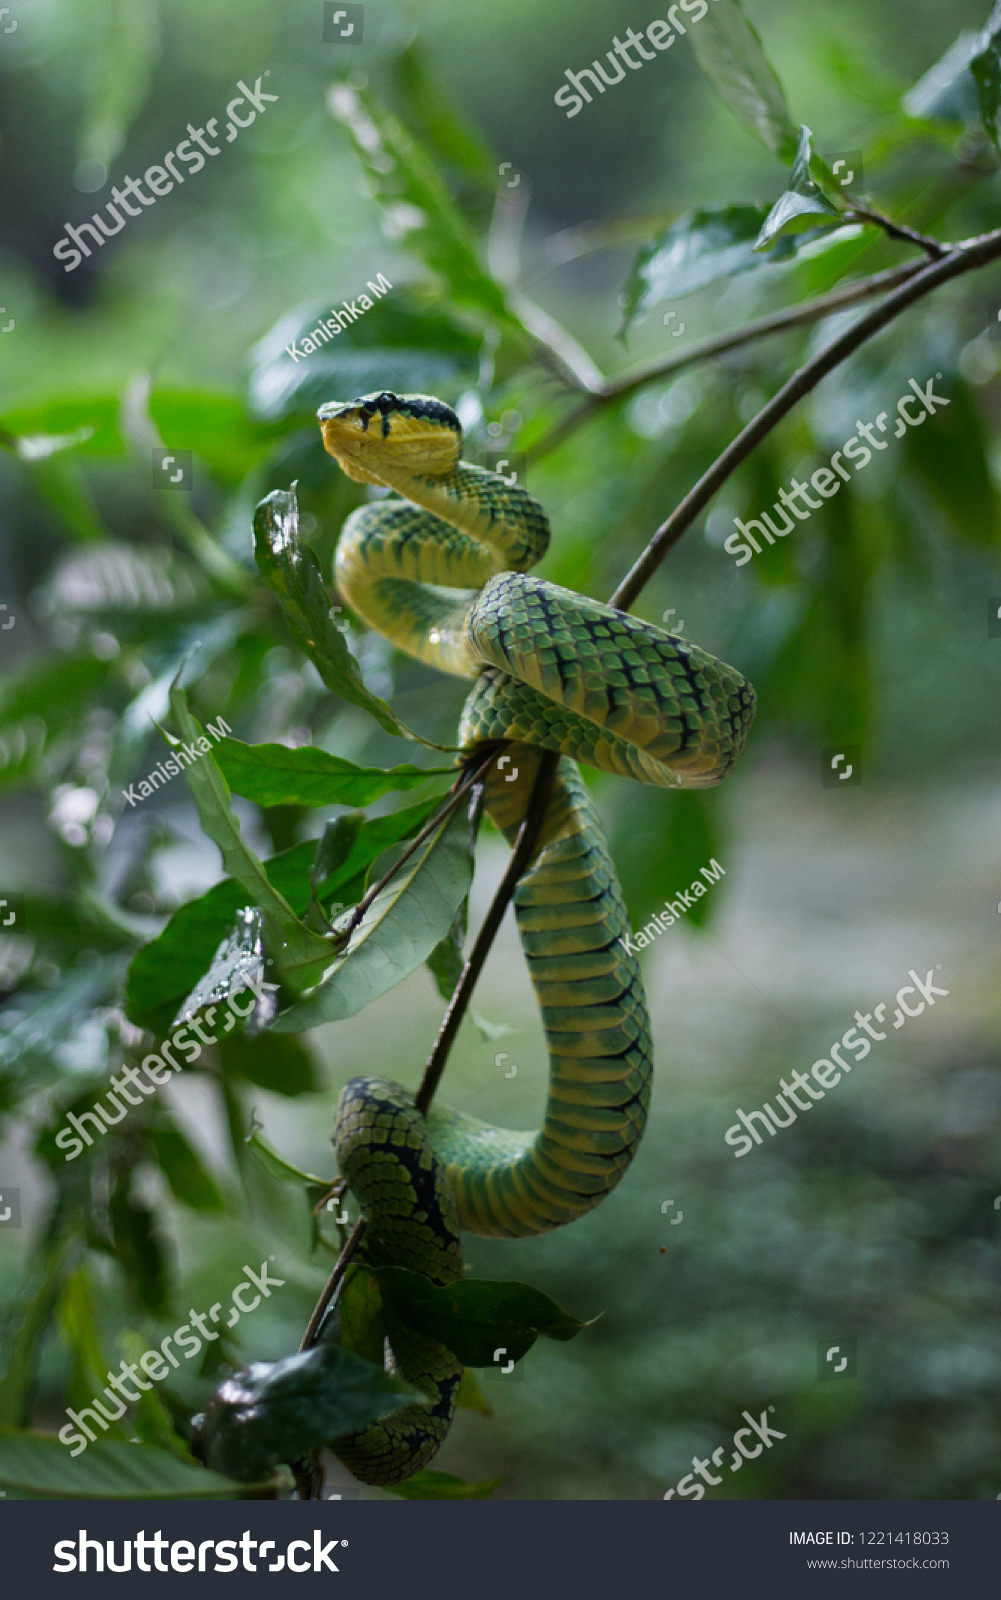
pixel 520 857
pixel 962 258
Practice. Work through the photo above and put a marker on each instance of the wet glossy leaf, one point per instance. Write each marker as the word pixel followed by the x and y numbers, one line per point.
pixel 708 243
pixel 168 969
pixel 803 206
pixel 476 1316
pixel 279 1410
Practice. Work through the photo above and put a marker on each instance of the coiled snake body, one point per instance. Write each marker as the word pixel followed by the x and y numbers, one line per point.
pixel 443 574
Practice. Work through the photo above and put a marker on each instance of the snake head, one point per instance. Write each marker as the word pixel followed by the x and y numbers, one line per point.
pixel 381 437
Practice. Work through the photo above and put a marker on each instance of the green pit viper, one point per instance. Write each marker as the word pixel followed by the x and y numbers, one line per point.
pixel 442 573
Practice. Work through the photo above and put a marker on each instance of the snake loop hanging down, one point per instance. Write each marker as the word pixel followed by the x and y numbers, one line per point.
pixel 443 573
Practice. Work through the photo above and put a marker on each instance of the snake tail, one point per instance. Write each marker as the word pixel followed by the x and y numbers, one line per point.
pixel 383 1149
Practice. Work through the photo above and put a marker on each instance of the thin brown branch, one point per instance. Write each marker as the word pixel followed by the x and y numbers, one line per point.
pixel 469 778
pixel 898 230
pixel 330 1287
pixel 802 315
pixel 520 856
pixel 961 259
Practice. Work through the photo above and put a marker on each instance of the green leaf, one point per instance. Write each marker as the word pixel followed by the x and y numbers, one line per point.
pixel 362 1321
pixel 301 954
pixel 660 845
pixel 401 927
pixel 275 1062
pixel 278 1410
pixel 431 1485
pixel 293 572
pixel 27 1323
pixel 277 1166
pixel 87 423
pixel 60 481
pixel 802 203
pixel 168 969
pixel 949 453
pixel 38 703
pixel 985 66
pixel 35 1464
pixel 442 125
pixel 728 48
pixel 274 775
pixel 695 250
pixel 947 92
pixel 445 961
pixel 139 1246
pixel 471 1396
pixel 182 1167
pixel 416 205
pixel 475 1317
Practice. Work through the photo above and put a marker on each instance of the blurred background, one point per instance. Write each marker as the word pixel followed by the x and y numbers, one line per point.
pixel 872 1218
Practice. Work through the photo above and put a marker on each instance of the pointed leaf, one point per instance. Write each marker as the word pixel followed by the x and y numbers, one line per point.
pixel 35 1464
pixel 401 927
pixel 274 775
pixel 277 1166
pixel 802 206
pixel 695 250
pixel 728 48
pixel 476 1315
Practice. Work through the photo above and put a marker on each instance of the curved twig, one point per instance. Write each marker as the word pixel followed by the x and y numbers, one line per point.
pixel 962 258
